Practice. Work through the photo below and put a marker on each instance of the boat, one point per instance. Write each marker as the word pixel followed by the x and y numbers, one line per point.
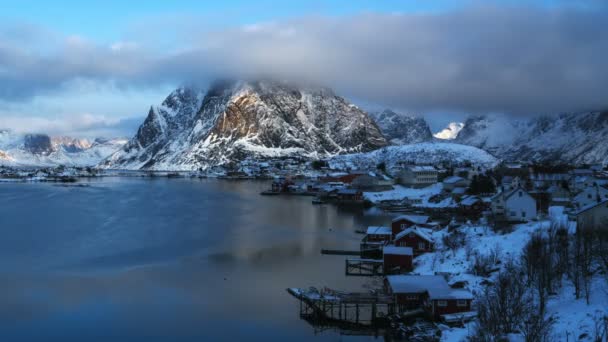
pixel 318 201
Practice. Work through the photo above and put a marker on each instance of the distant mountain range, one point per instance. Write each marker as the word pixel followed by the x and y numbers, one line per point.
pixel 43 150
pixel 233 120
pixel 574 137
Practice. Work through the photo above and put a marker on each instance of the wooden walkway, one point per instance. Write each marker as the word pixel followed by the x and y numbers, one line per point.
pixel 343 307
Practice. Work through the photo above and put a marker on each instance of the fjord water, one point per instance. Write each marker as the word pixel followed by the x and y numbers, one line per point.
pixel 165 260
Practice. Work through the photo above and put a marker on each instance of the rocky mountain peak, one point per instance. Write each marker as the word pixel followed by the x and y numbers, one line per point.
pixel 237 119
pixel 402 129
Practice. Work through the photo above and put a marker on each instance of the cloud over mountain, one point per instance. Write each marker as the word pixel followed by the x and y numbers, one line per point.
pixel 476 59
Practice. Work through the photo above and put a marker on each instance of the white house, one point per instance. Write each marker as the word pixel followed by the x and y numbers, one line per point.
pixel 514 205
pixel 590 195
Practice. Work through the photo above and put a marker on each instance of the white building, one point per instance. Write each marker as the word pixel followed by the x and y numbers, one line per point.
pixel 514 205
pixel 418 176
pixel 590 195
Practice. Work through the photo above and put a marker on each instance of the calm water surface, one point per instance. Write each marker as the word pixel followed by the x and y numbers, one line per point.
pixel 165 260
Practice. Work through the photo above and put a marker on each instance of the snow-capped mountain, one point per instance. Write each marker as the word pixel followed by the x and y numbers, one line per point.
pixel 450 132
pixel 41 150
pixel 402 129
pixel 236 119
pixel 572 137
pixel 421 154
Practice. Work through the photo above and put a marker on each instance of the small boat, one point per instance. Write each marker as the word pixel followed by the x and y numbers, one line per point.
pixel 318 201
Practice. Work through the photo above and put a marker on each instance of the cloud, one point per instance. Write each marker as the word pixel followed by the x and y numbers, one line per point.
pixel 80 125
pixel 519 60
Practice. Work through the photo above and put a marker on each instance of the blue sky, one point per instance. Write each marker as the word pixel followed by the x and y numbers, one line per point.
pixel 69 67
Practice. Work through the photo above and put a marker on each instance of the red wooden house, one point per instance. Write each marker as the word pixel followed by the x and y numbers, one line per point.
pixel 378 234
pixel 403 222
pixel 416 238
pixel 397 259
pixel 428 292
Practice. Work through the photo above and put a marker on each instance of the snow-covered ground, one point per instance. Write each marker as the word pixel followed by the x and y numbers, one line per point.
pixel 400 192
pixel 421 153
pixel 573 317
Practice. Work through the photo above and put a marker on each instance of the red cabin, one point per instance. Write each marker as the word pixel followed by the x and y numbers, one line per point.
pixel 378 234
pixel 429 292
pixel 397 259
pixel 416 238
pixel 403 222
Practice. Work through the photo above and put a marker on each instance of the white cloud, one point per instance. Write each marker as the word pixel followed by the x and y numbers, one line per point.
pixel 476 59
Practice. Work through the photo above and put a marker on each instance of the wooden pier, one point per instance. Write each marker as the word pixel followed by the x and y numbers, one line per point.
pixel 344 308
pixel 364 267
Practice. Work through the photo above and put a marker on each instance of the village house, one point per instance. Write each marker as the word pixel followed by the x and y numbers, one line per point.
pixel 403 222
pixel 580 183
pixel 471 205
pixel 593 216
pixel 590 195
pixel 509 183
pixel 378 234
pixel 416 238
pixel 546 180
pixel 455 182
pixel 430 293
pixel 397 260
pixel 417 176
pixel 372 182
pixel 514 205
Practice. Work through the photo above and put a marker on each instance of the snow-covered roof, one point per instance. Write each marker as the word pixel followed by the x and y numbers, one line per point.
pixel 394 250
pixel 510 193
pixel 470 200
pixel 419 168
pixel 590 206
pixel 435 285
pixel 348 191
pixel 459 191
pixel 416 219
pixel 378 230
pixel 416 230
pixel 453 179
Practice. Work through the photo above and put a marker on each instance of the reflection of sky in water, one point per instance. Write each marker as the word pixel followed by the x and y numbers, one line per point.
pixel 170 259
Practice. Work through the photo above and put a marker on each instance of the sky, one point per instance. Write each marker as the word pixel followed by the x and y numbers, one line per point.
pixel 90 68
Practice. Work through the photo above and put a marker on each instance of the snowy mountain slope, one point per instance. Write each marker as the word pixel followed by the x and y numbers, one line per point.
pixel 402 129
pixel 573 137
pixel 421 153
pixel 450 132
pixel 42 150
pixel 238 119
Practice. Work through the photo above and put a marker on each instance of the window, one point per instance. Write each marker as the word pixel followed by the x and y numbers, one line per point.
pixel 442 303
pixel 512 213
pixel 520 194
pixel 403 226
pixel 421 245
pixel 412 297
pixel 523 214
pixel 461 303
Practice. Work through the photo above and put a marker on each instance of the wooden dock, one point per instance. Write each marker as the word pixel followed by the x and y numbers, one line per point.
pixel 364 267
pixel 343 307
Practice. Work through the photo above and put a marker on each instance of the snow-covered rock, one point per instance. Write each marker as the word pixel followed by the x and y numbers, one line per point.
pixel 573 137
pixel 236 120
pixel 421 153
pixel 402 129
pixel 450 132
